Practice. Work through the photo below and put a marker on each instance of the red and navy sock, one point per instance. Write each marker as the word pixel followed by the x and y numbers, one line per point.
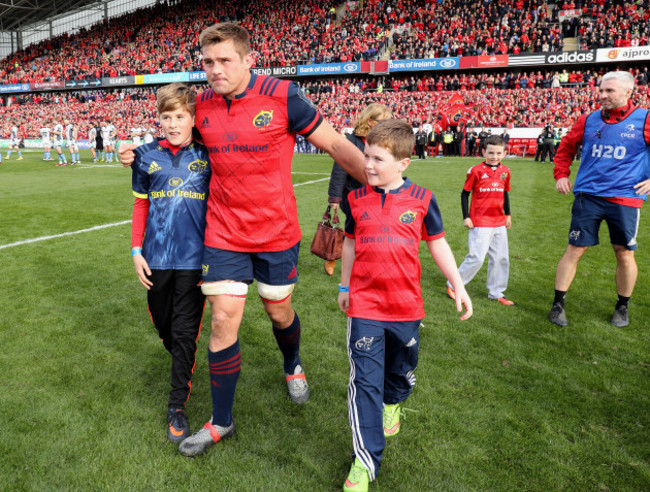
pixel 289 343
pixel 225 367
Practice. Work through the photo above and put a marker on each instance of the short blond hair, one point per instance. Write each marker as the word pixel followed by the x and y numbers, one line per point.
pixel 396 136
pixel 374 111
pixel 625 78
pixel 224 31
pixel 174 96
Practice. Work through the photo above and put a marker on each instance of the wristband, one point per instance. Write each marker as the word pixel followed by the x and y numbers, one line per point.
pixel 136 251
pixel 344 288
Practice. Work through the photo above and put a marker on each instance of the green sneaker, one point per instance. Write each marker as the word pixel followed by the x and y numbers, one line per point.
pixel 391 420
pixel 357 480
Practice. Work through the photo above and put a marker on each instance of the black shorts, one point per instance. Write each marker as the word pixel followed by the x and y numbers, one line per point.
pixel 589 211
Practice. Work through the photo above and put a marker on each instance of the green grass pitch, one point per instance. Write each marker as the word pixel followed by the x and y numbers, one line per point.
pixel 505 401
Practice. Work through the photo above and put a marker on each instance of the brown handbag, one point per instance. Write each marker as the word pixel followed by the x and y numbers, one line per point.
pixel 328 240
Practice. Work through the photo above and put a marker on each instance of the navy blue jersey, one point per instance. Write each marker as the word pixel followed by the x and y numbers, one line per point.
pixel 177 189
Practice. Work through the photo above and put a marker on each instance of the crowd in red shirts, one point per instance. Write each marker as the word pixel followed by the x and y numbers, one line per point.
pixel 485 108
pixel 606 23
pixel 164 37
pixel 510 100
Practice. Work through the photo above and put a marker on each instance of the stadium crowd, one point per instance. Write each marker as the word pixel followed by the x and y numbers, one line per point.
pixel 150 40
pixel 505 99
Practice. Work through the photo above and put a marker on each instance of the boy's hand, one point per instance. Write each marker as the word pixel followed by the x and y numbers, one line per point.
pixel 344 301
pixel 462 299
pixel 127 155
pixel 563 185
pixel 468 223
pixel 142 270
pixel 508 221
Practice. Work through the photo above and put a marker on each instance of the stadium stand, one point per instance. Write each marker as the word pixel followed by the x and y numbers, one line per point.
pixel 493 104
pixel 285 32
pixel 148 41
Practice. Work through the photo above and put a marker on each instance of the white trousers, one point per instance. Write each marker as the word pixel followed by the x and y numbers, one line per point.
pixel 493 242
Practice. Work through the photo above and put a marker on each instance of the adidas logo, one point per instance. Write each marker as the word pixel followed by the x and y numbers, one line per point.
pixel 365 216
pixel 205 123
pixel 293 273
pixel 411 342
pixel 153 167
pixel 485 176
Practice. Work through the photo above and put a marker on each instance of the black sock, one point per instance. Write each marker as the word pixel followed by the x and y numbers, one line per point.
pixel 559 297
pixel 289 343
pixel 622 301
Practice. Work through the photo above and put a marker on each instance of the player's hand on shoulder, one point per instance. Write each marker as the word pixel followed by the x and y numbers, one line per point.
pixel 127 156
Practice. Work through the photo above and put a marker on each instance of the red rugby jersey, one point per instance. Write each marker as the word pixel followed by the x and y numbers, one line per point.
pixel 250 140
pixel 487 186
pixel 387 229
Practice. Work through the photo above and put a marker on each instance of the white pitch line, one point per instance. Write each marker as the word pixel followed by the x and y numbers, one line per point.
pixel 45 238
pixel 318 174
pixel 97 166
pixel 105 226
pixel 310 182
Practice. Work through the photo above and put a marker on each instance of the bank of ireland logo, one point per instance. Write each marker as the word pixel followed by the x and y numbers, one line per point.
pixel 350 67
pixel 175 182
pixel 263 119
pixel 407 217
pixel 364 343
pixel 446 63
pixel 229 137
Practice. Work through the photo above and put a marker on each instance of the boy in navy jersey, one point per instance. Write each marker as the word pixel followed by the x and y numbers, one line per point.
pixel 170 182
pixel 487 219
pixel 381 294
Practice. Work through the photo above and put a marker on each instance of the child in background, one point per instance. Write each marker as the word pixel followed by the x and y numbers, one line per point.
pixel 487 221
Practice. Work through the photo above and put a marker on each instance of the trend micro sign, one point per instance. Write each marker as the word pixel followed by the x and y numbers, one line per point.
pixel 571 57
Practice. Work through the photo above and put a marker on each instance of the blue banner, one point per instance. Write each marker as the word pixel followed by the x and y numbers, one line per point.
pixel 198 76
pixel 426 64
pixel 329 68
pixel 14 88
pixel 166 78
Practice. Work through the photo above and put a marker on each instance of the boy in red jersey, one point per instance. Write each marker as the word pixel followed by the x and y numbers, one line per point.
pixel 381 294
pixel 487 220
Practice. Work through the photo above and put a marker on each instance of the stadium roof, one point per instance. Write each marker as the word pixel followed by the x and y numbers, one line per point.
pixel 17 15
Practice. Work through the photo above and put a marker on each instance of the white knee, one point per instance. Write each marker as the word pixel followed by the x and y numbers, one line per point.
pixel 227 287
pixel 274 293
